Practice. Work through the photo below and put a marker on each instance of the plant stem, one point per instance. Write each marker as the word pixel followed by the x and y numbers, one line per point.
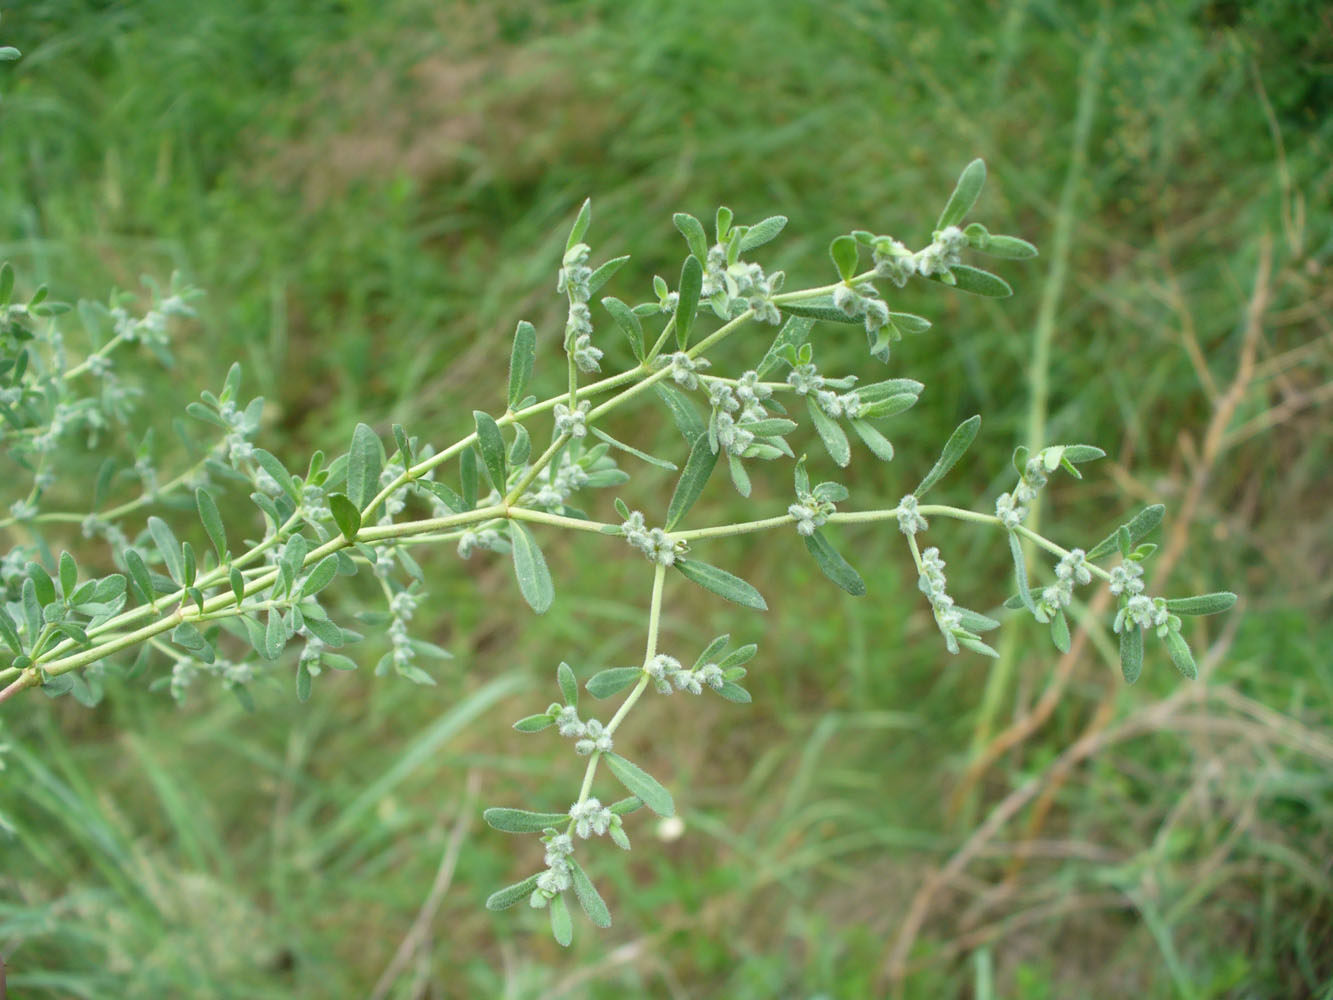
pixel 654 622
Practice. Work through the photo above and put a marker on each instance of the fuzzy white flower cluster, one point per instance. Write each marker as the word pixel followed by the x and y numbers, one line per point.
pixel 668 675
pixel 892 260
pixel 741 285
pixel 846 404
pixel 933 584
pixel 684 369
pixel 805 379
pixel 910 520
pixel 1013 508
pixel 590 817
pixel 572 422
pixel 1137 609
pixel 590 735
pixel 1071 571
pixel 943 254
pixel 653 543
pixel 575 281
pixel 864 302
pixel 401 607
pixel 810 513
pixel 487 539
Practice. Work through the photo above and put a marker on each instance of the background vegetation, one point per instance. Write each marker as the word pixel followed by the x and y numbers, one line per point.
pixel 374 193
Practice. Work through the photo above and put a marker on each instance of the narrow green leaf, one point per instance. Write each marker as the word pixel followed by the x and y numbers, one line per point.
pixel 274 467
pixel 977 282
pixel 46 587
pixel 365 462
pixel 569 685
pixel 612 681
pixel 521 448
pixel 212 521
pixel 910 322
pixel 876 391
pixel 562 926
pixel 643 456
pixel 1060 632
pixel 821 309
pixel 166 543
pixel 1203 604
pixel 639 782
pixel 503 899
pixel 492 446
pixel 794 332
pixel 976 622
pixel 1138 526
pixel 739 477
pixel 831 433
pixel 189 638
pixel 762 232
pixel 833 565
pixel 1131 652
pixel 691 283
pixel 32 609
pixel 710 652
pixel 521 361
pixel 1008 247
pixel 446 494
pixel 965 194
pixel 302 682
pixel 739 656
pixel 954 449
pixel 69 574
pixel 468 477
pixel 845 254
pixel 237 582
pixel 1181 655
pixel 580 227
pixel 1021 571
pixel 880 446
pixel 734 692
pixel 628 322
pixel 534 723
pixel 698 467
pixel 683 412
pixel 534 579
pixel 889 406
pixel 321 576
pixel 404 448
pixel 603 274
pixel 722 583
pixel 769 427
pixel 693 231
pixel 275 635
pixel 591 901
pixel 522 821
pixel 977 646
pixel 190 567
pixel 10 632
pixel 346 515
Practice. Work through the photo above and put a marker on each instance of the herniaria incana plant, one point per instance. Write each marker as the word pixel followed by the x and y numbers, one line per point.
pixel 247 583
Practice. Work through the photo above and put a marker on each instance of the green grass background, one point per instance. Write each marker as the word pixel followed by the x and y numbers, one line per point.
pixel 372 194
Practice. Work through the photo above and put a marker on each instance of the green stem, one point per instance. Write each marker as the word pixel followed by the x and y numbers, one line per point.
pixel 536 469
pixel 654 623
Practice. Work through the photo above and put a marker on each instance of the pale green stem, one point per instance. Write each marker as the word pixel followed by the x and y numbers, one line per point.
pixel 654 623
pixel 536 469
